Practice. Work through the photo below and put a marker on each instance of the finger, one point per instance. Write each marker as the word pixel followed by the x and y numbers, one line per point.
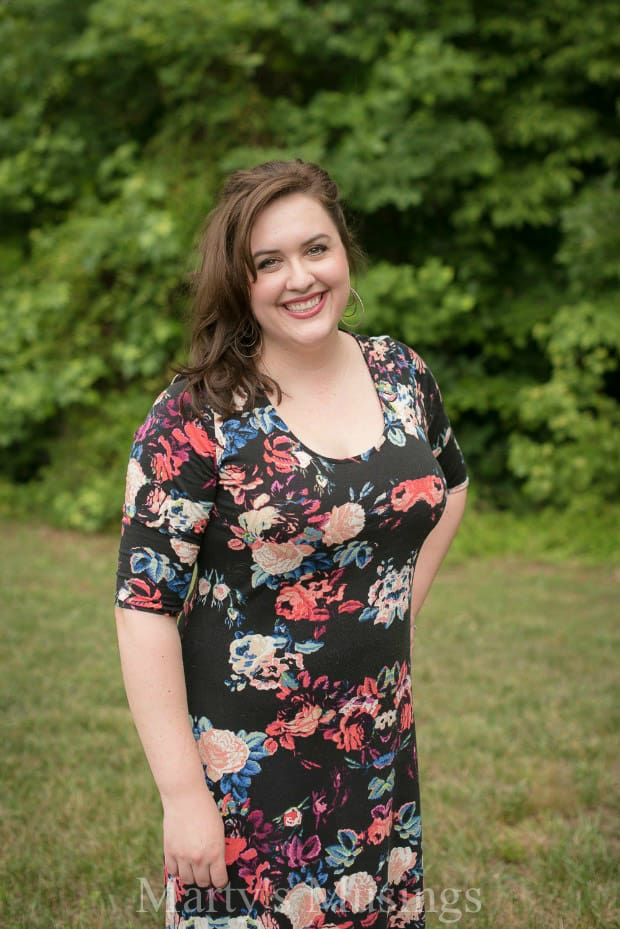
pixel 202 875
pixel 171 865
pixel 219 875
pixel 185 873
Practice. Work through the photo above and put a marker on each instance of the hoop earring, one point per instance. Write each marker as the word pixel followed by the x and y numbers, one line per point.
pixel 353 317
pixel 255 344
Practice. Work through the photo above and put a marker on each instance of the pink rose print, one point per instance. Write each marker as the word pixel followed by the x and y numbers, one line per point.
pixel 237 482
pixel 297 601
pixel 356 728
pixel 310 599
pixel 357 890
pixel 279 455
pixel 302 905
pixel 344 522
pixel 401 860
pixel 302 724
pixel 222 752
pixel 166 464
pixel 428 489
pixel 381 825
pixel 292 817
pixel 280 558
pixel 140 594
pixel 198 437
pixel 155 500
pixel 220 592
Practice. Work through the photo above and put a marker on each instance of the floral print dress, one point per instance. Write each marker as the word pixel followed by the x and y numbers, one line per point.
pixel 292 573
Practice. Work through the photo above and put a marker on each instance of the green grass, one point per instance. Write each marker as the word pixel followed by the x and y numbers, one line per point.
pixel 515 685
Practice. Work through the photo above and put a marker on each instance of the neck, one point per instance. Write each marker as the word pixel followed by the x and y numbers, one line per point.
pixel 317 368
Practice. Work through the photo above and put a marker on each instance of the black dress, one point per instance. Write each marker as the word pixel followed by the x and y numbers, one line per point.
pixel 294 574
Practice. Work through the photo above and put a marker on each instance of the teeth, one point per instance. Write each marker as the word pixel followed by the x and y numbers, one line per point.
pixel 304 305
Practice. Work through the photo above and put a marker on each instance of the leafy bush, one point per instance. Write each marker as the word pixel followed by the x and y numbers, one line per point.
pixel 477 150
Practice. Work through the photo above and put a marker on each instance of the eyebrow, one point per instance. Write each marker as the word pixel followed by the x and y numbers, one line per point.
pixel 314 238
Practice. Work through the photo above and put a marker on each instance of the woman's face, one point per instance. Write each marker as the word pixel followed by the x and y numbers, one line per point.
pixel 302 274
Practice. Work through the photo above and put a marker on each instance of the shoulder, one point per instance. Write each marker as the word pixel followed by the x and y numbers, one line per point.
pixel 173 423
pixel 404 370
pixel 393 355
pixel 174 403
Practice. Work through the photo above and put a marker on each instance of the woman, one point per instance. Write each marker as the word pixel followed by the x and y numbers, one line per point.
pixel 304 473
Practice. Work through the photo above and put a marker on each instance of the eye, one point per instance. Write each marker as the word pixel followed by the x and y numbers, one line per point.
pixel 317 249
pixel 267 264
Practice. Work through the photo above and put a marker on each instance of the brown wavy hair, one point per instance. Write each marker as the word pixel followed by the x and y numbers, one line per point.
pixel 225 341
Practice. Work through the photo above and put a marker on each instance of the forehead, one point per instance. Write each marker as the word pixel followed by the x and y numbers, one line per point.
pixel 290 219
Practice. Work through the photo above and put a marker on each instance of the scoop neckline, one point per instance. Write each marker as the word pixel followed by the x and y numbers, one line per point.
pixel 361 342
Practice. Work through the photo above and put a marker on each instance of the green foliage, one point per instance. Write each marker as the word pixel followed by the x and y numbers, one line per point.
pixel 477 149
pixel 68 491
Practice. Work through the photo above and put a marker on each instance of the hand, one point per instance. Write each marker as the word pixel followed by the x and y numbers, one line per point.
pixel 194 839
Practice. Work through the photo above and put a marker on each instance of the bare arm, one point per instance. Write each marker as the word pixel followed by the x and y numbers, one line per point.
pixel 435 549
pixel 150 651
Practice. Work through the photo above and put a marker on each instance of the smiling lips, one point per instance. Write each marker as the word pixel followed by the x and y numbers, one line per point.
pixel 310 306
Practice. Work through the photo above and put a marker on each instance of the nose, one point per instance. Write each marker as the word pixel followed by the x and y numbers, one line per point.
pixel 300 276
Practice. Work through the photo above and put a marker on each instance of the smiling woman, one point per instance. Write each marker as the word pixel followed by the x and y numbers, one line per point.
pixel 226 337
pixel 298 277
pixel 309 483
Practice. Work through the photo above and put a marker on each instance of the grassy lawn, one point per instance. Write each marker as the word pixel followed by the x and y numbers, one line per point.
pixel 515 684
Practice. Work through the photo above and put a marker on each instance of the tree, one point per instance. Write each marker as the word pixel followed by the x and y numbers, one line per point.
pixel 476 147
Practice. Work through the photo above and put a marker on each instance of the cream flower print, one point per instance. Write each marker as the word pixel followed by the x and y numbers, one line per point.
pixel 136 479
pixel 345 522
pixel 251 652
pixel 386 720
pixel 401 860
pixel 407 411
pixel 222 752
pixel 185 550
pixel 280 557
pixel 302 458
pixel 181 515
pixel 257 521
pixel 254 660
pixel 390 594
pixel 358 890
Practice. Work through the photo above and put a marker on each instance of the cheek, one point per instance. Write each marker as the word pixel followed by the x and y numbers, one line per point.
pixel 341 270
pixel 259 293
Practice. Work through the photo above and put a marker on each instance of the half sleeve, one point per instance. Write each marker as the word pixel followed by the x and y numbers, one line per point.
pixel 170 492
pixel 441 438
